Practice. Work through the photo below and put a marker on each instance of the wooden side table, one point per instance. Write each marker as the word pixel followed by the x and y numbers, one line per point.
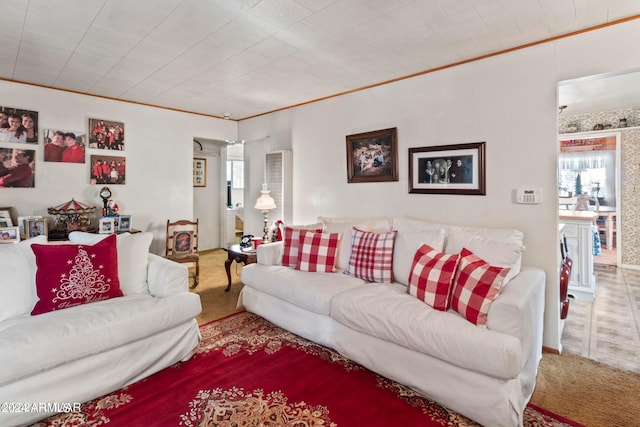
pixel 235 253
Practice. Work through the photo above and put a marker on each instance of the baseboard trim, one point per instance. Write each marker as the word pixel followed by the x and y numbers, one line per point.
pixel 546 349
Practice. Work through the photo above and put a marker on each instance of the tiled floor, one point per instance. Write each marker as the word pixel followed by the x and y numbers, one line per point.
pixel 608 329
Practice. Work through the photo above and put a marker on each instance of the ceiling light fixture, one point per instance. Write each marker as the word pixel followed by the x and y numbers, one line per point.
pixel 561 108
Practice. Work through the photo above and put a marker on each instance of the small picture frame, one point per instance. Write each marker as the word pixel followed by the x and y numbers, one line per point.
pixel 35 227
pixel 199 172
pixel 107 226
pixel 448 169
pixel 372 156
pixel 5 218
pixel 124 225
pixel 9 234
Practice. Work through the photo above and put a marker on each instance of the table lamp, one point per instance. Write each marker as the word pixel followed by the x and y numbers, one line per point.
pixel 265 203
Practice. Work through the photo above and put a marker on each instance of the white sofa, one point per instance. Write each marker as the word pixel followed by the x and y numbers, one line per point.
pixel 79 353
pixel 486 373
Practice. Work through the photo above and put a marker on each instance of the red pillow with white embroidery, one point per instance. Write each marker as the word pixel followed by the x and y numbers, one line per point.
pixel 431 277
pixel 317 251
pixel 70 275
pixel 292 245
pixel 477 284
pixel 371 256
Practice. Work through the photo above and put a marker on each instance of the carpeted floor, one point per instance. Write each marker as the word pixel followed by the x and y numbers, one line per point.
pixel 583 390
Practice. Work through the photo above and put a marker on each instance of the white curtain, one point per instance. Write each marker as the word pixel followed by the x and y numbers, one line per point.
pixel 582 160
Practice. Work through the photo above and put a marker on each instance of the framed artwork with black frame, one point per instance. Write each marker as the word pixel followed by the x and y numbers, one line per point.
pixel 373 156
pixel 199 172
pixel 448 169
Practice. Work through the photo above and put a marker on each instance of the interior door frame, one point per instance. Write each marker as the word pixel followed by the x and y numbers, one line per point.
pixel 600 134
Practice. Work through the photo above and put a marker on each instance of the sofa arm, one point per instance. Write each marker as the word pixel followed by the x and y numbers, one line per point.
pixel 519 310
pixel 270 253
pixel 166 277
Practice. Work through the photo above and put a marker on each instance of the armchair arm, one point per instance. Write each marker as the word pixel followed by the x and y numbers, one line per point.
pixel 166 277
pixel 270 253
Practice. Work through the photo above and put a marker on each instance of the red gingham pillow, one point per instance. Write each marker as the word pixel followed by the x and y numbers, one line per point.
pixel 317 251
pixel 477 284
pixel 431 277
pixel 371 256
pixel 70 275
pixel 291 246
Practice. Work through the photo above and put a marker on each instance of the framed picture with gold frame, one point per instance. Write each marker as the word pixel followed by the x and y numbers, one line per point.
pixel 199 172
pixel 35 227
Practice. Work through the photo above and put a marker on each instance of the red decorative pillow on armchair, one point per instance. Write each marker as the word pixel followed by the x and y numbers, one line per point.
pixel 70 275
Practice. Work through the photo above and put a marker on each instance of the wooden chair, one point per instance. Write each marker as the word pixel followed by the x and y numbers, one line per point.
pixel 182 244
pixel 587 203
pixel 565 277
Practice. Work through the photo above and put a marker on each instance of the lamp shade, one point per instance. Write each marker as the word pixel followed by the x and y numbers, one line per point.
pixel 265 202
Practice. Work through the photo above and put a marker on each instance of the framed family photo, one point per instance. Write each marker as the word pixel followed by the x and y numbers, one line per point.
pixel 21 125
pixel 106 134
pixel 108 170
pixel 448 169
pixel 107 226
pixel 9 234
pixel 372 156
pixel 124 223
pixel 199 172
pixel 35 227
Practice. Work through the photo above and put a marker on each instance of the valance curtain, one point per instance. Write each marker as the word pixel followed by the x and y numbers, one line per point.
pixel 583 160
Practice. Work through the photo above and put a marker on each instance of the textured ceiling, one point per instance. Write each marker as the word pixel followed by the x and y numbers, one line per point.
pixel 248 57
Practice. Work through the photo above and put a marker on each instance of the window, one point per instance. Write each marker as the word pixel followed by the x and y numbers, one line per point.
pixel 596 170
pixel 235 173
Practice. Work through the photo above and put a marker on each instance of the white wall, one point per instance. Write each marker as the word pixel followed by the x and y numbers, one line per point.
pixel 207 200
pixel 159 151
pixel 509 101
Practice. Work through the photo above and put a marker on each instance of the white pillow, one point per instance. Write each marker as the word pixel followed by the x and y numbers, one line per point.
pixel 459 237
pixel 501 254
pixel 344 227
pixel 132 258
pixel 411 236
pixel 18 269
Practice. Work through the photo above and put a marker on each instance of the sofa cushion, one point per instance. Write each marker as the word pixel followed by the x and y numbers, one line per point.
pixel 411 235
pixel 477 284
pixel 292 244
pixel 389 313
pixel 17 264
pixel 70 275
pixel 431 278
pixel 371 256
pixel 317 251
pixel 38 343
pixel 309 291
pixel 501 254
pixel 132 258
pixel 344 226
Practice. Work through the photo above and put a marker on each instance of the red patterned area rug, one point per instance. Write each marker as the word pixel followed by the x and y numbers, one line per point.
pixel 248 372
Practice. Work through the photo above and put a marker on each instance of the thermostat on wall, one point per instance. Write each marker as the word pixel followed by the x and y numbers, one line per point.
pixel 529 195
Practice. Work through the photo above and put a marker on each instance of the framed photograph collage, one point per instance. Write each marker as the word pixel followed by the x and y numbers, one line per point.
pixel 20 149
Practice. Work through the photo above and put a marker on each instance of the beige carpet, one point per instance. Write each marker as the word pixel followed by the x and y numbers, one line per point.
pixel 580 389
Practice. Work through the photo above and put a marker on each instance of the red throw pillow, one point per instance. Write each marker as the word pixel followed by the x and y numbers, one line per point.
pixel 431 277
pixel 477 284
pixel 70 275
pixel 371 256
pixel 317 251
pixel 291 246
